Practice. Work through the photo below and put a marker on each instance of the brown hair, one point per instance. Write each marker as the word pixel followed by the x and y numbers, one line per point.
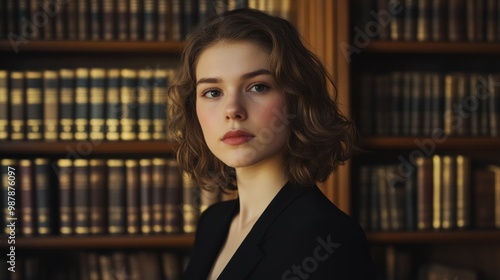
pixel 321 137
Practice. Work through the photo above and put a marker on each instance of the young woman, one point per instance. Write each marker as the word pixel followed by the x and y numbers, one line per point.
pixel 251 109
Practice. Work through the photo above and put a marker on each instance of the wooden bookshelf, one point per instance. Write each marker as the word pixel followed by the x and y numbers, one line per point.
pixel 434 237
pixel 450 144
pixel 103 242
pixel 451 48
pixel 86 147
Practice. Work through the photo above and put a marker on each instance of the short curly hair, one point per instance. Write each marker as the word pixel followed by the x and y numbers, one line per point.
pixel 321 137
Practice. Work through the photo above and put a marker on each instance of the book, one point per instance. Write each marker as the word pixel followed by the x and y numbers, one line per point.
pixel 44 202
pixel 383 195
pixel 128 99
pixel 10 171
pixel 496 169
pixel 27 197
pixel 96 19
pixel 439 271
pixel 83 20
pixel 173 198
pixel 17 110
pixel 425 199
pixel 135 20
pixel 484 198
pixel 109 9
pixel 113 105
pixel 65 175
pixel 123 20
pixel 81 209
pixel 133 196
pixel 146 186
pixel 463 192
pixel 494 104
pixel 97 114
pixel 81 104
pixel 160 83
pixel 456 19
pixel 98 196
pixel 4 105
pixel 72 19
pixel 34 107
pixel 149 19
pixel 190 201
pixel 437 191
pixel 145 104
pixel 171 266
pixel 158 194
pixel 424 20
pixel 50 105
pixel 410 20
pixel 163 17
pixel 449 193
pixel 116 196
pixel 176 18
pixel 66 104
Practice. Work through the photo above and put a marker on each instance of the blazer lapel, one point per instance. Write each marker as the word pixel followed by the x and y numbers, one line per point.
pixel 249 253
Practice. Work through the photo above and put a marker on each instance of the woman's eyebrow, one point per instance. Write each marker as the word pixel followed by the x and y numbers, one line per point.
pixel 246 76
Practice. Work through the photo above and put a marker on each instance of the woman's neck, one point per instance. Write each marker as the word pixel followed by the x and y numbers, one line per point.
pixel 257 186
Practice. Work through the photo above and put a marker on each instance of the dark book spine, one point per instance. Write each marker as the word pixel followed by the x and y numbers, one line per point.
pixel 128 98
pixel 23 15
pixel 481 18
pixel 374 200
pixel 424 194
pixel 123 20
pixel 173 198
pixel 475 87
pixel 27 197
pixel 65 196
pixel 367 110
pixel 50 106
pixel 116 197
pixel 144 99
pixel 146 191
pixel 97 103
pixel 492 20
pixel 135 20
pixel 395 103
pixel 17 112
pixel 416 104
pixel 439 20
pixel 382 112
pixel 203 10
pixel 176 20
pixel 48 28
pixel 437 101
pixel 33 11
pixel 449 192
pixel 81 196
pixel 171 266
pixel 11 22
pixel 109 8
pixel 43 197
pixel 190 202
pixel 133 196
pixel 149 20
pixel 427 104
pixel 61 23
pixel 190 18
pixel 463 192
pixel 484 198
pixel 406 101
pixel 494 104
pixel 66 104
pixel 2 21
pixel 98 198
pixel 456 12
pixel 4 106
pixel 95 19
pixel 83 20
pixel 113 106
pixel 484 91
pixel 82 104
pixel 410 23
pixel 410 203
pixel 10 192
pixel 72 10
pixel 424 20
pixel 163 20
pixel 159 102
pixel 158 194
pixel 34 107
pixel 383 196
pixel 450 92
pixel 461 125
pixel 364 197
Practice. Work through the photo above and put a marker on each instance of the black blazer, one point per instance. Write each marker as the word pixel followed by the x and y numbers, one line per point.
pixel 300 235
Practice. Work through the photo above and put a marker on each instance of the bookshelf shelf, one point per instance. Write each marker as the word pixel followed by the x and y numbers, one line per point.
pixel 433 237
pixel 451 48
pixel 450 144
pixel 86 147
pixel 93 47
pixel 104 242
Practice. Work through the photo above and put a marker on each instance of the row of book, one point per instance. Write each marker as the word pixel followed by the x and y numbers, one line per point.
pixel 101 196
pixel 403 103
pixel 428 20
pixel 82 104
pixel 91 265
pixel 437 193
pixel 396 264
pixel 148 20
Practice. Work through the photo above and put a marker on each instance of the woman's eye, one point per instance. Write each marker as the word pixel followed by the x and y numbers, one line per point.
pixel 259 87
pixel 213 93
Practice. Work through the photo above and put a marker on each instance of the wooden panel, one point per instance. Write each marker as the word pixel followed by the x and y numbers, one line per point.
pixel 94 47
pixel 457 237
pixel 433 48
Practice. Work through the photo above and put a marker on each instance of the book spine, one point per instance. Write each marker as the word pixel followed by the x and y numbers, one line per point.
pixel 471 22
pixel 176 20
pixel 163 20
pixel 171 265
pixel 116 197
pixel 395 103
pixel 158 194
pixel 425 193
pixel 43 194
pixel 123 20
pixel 50 105
pixel 72 10
pixel 484 99
pixel 66 104
pixel 11 23
pixel 411 203
pixel 481 20
pixel 27 197
pixel 461 125
pixel 406 100
pixel 173 198
pixel 113 106
pixel 83 20
pixel 463 192
pixel 427 104
pixel 4 106
pixel 61 23
pixel 144 99
pixel 449 192
pixel 65 196
pixel 494 105
pixel 97 103
pixel 10 169
pixel 439 20
pixel 133 195
pixel 375 223
pixel 81 196
pixel 34 107
pixel 190 201
pixel 48 28
pixel 149 20
pixel 450 97
pixel 23 15
pixel 437 101
pixel 96 19
pixel 416 104
pixel 474 92
pixel 366 97
pixel 82 104
pixel 33 10
pixel 159 102
pixel 396 25
pixel 410 23
pixel 98 198
pixel 484 199
pixel 190 17
pixel 109 19
pixel 456 12
pixel 203 10
pixel 496 170
pixel 135 20
pixel 17 110
pixel 3 26
pixel 424 20
pixel 437 191
pixel 383 192
pixel 128 99
pixel 145 194
pixel 364 197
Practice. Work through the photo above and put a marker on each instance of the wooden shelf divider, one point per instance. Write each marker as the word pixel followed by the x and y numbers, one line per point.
pixel 449 144
pixel 452 48
pixel 428 237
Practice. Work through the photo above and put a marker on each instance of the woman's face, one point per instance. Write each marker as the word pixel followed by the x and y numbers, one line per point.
pixel 241 110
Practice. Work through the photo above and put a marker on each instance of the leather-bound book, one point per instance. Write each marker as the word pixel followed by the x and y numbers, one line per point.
pixel 98 196
pixel 66 104
pixel 128 98
pixel 144 98
pixel 158 194
pixel 113 105
pixel 17 106
pixel 116 196
pixel 81 196
pixel 50 105
pixel 173 198
pixel 133 196
pixel 44 196
pixel 146 177
pixel 82 104
pixel 65 174
pixel 4 106
pixel 27 197
pixel 97 103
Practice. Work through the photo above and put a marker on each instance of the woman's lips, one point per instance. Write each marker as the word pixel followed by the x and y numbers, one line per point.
pixel 236 137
